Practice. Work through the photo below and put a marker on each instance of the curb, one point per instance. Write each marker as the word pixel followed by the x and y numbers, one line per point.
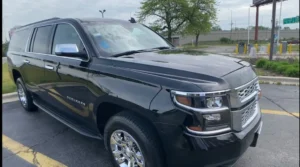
pixel 281 80
pixel 9 95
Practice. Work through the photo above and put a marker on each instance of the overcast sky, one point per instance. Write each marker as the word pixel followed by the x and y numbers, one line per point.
pixel 20 12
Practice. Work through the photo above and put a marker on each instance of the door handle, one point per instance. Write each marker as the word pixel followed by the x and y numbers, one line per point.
pixel 26 61
pixel 49 67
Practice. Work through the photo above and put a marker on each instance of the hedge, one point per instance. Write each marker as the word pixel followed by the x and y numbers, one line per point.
pixel 280 67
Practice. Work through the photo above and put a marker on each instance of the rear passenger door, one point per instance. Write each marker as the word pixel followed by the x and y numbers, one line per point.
pixel 66 77
pixel 38 48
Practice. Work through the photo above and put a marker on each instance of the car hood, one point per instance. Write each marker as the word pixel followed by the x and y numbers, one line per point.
pixel 206 71
pixel 206 64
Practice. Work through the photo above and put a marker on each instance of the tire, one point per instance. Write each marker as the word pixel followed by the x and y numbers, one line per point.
pixel 25 97
pixel 145 137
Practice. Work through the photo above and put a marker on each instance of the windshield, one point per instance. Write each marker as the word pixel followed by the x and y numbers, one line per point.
pixel 114 38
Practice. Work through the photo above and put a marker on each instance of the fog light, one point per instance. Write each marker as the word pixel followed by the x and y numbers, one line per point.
pixel 214 102
pixel 212 117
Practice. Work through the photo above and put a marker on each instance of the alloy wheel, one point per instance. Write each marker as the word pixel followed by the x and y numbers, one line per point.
pixel 126 150
pixel 22 95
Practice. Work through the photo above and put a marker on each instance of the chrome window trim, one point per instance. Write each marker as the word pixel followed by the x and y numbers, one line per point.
pixel 54 35
pixel 57 56
pixel 213 132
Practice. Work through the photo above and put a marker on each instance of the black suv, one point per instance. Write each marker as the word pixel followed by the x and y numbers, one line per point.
pixel 121 82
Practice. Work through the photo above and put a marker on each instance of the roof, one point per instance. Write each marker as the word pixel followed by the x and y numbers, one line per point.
pixel 96 19
pixel 82 20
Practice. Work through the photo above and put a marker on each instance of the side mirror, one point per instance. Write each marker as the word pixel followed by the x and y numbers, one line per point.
pixel 69 50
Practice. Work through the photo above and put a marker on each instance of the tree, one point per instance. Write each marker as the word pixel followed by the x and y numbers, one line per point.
pixel 201 18
pixel 216 28
pixel 4 48
pixel 169 14
pixel 260 28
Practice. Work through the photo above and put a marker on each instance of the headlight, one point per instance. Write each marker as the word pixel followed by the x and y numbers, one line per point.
pixel 213 102
pixel 211 109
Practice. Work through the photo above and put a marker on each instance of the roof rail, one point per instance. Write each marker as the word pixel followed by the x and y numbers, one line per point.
pixel 54 18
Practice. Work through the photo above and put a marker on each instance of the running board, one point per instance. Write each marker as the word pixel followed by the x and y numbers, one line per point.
pixel 68 123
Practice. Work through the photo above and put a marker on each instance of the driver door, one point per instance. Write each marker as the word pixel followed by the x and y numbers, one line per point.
pixel 66 76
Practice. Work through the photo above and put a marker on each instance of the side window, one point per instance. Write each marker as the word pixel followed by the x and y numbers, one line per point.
pixel 19 40
pixel 66 34
pixel 41 40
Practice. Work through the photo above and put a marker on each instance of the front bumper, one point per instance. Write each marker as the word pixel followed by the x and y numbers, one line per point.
pixel 218 150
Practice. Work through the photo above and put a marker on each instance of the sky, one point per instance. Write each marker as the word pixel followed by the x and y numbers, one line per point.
pixel 20 12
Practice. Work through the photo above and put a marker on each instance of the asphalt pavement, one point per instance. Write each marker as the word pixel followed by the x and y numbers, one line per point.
pixel 37 139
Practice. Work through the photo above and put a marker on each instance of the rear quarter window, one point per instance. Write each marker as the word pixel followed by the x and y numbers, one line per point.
pixel 19 40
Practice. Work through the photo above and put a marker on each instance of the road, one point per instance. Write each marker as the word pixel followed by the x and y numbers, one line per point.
pixel 37 138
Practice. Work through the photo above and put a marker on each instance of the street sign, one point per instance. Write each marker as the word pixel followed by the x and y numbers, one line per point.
pixel 291 20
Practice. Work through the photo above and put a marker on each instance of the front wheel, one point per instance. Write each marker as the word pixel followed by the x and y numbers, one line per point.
pixel 131 142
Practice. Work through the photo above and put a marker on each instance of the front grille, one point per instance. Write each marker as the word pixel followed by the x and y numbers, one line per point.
pixel 248 112
pixel 245 92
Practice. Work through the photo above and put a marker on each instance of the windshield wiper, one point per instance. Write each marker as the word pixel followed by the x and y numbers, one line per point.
pixel 140 51
pixel 127 53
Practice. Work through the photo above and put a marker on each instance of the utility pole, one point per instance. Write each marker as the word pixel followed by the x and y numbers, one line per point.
pixel 256 24
pixel 102 12
pixel 279 25
pixel 248 25
pixel 273 27
pixel 231 25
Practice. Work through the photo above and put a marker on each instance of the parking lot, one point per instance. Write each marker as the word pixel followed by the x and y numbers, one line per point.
pixel 37 139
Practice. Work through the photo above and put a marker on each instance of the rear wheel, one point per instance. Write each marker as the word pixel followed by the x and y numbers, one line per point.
pixel 25 96
pixel 131 142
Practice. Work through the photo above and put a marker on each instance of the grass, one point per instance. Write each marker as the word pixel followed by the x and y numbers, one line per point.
pixel 8 85
pixel 295 48
pixel 262 72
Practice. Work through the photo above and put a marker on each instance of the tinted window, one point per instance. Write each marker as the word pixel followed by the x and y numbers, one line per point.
pixel 19 40
pixel 66 34
pixel 41 41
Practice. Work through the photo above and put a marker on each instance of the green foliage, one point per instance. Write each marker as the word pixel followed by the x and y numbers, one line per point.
pixel 225 40
pixel 202 17
pixel 4 48
pixel 184 16
pixel 169 14
pixel 292 72
pixel 260 63
pixel 216 28
pixel 281 68
pixel 267 66
pixel 288 68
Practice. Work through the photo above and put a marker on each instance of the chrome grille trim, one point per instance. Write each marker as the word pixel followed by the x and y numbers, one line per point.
pixel 244 116
pixel 249 113
pixel 249 90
